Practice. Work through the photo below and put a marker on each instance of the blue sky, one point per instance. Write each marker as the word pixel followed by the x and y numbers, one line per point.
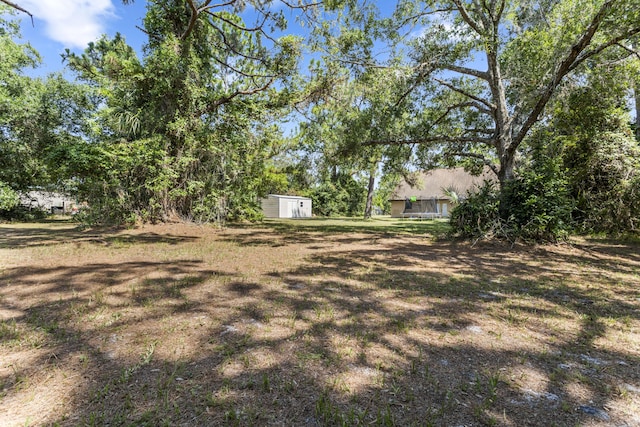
pixel 61 24
pixel 72 24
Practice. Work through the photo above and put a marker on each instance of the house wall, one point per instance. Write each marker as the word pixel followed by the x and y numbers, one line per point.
pixel 397 207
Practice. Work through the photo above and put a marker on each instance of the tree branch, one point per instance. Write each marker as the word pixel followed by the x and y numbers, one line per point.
pixel 429 140
pixel 468 71
pixel 613 42
pixel 192 20
pixel 417 16
pixel 630 50
pixel 20 8
pixel 232 48
pixel 207 5
pixel 484 160
pixel 567 64
pixel 455 107
pixel 303 7
pixel 503 4
pixel 490 108
pixel 467 18
pixel 228 98
pixel 242 73
pixel 419 79
pixel 258 28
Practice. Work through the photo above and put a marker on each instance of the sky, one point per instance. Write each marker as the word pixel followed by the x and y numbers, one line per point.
pixel 72 24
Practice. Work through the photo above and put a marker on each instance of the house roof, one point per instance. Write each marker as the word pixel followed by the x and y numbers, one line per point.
pixel 431 184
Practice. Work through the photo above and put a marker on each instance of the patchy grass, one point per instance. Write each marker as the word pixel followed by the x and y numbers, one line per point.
pixel 377 224
pixel 314 322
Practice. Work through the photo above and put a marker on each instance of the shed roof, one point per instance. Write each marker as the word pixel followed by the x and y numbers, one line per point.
pixel 431 184
pixel 281 196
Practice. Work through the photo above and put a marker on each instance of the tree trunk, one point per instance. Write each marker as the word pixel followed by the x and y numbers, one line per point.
pixel 637 96
pixel 369 206
pixel 507 165
pixel 505 175
pixel 636 93
pixel 504 143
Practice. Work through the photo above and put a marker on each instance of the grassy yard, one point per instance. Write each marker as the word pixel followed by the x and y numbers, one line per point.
pixel 313 323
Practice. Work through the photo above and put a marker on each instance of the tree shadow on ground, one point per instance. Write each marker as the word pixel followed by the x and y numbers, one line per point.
pixel 16 238
pixel 397 332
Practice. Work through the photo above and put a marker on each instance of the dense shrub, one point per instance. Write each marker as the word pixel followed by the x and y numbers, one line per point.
pixel 8 197
pixel 21 213
pixel 535 207
pixel 11 210
pixel 605 182
pixel 601 157
pixel 342 196
pixel 478 215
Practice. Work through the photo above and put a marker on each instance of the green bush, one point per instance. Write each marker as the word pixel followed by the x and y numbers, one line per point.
pixel 343 196
pixel 601 157
pixel 11 210
pixel 8 197
pixel 477 216
pixel 23 214
pixel 535 206
pixel 605 182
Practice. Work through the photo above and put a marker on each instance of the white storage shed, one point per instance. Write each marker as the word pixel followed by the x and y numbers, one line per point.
pixel 277 206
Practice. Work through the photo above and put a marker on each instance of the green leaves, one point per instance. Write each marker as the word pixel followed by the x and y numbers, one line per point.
pixel 40 119
pixel 8 197
pixel 186 130
pixel 603 160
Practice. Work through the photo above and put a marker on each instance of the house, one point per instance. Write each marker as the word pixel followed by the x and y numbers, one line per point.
pixel 427 199
pixel 278 206
pixel 55 203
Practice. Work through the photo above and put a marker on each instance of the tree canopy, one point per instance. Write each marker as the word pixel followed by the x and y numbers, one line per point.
pixel 186 130
pixel 39 118
pixel 192 127
pixel 480 74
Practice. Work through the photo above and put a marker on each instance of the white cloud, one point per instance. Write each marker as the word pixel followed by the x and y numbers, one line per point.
pixel 443 21
pixel 74 23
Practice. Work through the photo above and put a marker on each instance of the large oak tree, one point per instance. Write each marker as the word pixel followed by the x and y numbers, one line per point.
pixel 481 72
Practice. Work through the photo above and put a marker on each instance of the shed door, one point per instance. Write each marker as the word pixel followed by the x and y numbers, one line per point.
pixel 292 209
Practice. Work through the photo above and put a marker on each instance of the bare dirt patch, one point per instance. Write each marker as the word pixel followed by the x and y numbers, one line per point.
pixel 271 325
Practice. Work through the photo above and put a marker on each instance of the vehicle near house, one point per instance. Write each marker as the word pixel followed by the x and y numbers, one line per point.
pixel 282 206
pixel 431 196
